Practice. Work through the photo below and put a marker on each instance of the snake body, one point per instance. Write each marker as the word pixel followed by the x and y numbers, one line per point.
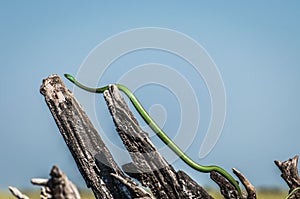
pixel 160 133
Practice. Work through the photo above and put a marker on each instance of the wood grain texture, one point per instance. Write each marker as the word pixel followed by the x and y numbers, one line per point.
pixel 93 158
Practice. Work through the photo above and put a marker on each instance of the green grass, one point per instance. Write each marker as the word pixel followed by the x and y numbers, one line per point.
pixel 86 194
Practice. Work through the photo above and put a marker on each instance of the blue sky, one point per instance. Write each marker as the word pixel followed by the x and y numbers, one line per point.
pixel 255 46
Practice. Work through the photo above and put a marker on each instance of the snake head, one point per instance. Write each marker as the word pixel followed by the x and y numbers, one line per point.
pixel 70 77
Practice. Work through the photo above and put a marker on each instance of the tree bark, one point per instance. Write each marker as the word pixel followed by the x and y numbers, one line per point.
pixel 148 166
pixel 289 170
pixel 93 158
pixel 102 174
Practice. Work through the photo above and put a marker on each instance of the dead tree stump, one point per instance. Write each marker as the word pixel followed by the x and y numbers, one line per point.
pixel 102 174
pixel 57 187
pixel 94 160
pixel 85 144
pixel 148 166
pixel 289 170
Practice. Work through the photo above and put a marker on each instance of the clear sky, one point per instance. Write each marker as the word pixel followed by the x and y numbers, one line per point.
pixel 255 46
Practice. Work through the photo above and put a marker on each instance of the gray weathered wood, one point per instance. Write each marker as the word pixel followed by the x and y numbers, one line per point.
pixel 102 174
pixel 251 192
pixel 93 159
pixel 226 188
pixel 17 193
pixel 148 166
pixel 57 187
pixel 289 170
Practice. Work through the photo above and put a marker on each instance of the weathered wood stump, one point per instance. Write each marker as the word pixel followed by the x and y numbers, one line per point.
pixel 103 175
pixel 94 160
pixel 289 170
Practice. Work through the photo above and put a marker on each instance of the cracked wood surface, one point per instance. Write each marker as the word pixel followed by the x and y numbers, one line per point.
pixel 92 157
pixel 103 175
pixel 289 172
pixel 148 166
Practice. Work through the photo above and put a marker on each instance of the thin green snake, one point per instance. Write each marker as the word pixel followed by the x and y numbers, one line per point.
pixel 161 134
pixel 292 192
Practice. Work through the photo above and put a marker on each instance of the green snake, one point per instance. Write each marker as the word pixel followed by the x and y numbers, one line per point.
pixel 292 192
pixel 161 134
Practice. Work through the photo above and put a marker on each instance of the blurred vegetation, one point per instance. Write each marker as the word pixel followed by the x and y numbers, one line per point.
pixel 260 195
pixel 263 193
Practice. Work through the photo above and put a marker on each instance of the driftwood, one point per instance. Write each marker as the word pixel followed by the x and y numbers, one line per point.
pixel 289 170
pixel 251 192
pixel 93 159
pixel 103 175
pixel 95 162
pixel 17 193
pixel 148 166
pixel 227 189
pixel 58 186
